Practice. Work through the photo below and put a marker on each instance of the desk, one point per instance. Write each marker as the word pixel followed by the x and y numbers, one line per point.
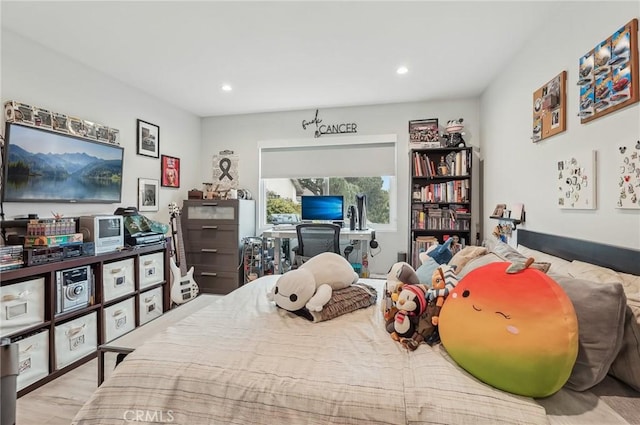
pixel 290 233
pixel 128 342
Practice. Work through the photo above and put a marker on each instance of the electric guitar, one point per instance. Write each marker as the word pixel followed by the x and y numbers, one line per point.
pixel 184 288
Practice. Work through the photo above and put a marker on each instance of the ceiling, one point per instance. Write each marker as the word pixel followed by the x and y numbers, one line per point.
pixel 282 56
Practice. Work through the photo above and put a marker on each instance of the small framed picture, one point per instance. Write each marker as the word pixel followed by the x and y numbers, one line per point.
pixel 148 194
pixel 76 126
pixel 148 139
pixel 170 171
pixel 60 122
pixel 102 133
pixel 90 129
pixel 499 210
pixel 114 136
pixel 421 131
pixel 42 118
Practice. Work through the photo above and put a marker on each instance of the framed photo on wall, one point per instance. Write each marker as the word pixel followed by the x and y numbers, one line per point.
pixel 148 139
pixel 424 131
pixel 170 171
pixel 148 194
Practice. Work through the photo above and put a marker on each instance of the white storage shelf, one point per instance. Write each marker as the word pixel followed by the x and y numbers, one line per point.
pixel 130 289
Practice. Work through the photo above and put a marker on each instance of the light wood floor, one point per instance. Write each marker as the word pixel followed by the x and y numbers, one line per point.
pixel 58 401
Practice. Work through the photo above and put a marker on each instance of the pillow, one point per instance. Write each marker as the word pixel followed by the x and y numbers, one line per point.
pixel 425 271
pixel 601 318
pixel 514 330
pixel 466 254
pixel 626 366
pixel 559 266
pixel 587 271
pixel 492 257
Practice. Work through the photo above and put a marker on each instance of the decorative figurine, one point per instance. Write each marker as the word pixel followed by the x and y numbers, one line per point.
pixel 453 137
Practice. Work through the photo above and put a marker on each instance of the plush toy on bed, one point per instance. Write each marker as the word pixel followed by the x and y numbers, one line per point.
pixel 312 284
pixel 513 327
pixel 412 322
pixel 401 273
pixel 434 256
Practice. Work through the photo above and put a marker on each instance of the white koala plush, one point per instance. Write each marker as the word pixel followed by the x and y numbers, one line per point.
pixel 312 284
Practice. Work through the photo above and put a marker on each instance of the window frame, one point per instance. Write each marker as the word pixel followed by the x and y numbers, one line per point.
pixel 328 142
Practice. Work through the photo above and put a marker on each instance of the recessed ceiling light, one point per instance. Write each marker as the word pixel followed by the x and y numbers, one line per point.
pixel 226 87
pixel 402 70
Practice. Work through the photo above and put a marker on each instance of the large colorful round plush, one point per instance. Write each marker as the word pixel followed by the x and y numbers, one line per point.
pixel 515 331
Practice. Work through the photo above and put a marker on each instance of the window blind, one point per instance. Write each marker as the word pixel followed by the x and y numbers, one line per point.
pixel 329 160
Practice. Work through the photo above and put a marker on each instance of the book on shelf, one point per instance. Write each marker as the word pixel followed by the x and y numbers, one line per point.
pixel 516 211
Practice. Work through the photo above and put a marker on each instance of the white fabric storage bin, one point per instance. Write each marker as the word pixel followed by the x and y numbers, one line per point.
pixel 33 359
pixel 150 304
pixel 117 279
pixel 119 319
pixel 75 339
pixel 21 306
pixel 150 269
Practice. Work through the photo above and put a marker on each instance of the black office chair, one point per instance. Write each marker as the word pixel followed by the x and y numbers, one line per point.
pixel 314 239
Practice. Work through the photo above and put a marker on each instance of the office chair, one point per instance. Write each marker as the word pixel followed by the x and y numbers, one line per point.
pixel 314 239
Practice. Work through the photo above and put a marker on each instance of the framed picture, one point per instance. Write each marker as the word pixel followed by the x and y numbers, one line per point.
pixel 148 139
pixel 170 171
pixel 499 210
pixel 577 181
pixel 424 131
pixel 148 194
pixel 609 76
pixel 550 108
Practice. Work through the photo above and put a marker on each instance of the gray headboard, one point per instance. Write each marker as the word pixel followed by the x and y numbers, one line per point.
pixel 626 260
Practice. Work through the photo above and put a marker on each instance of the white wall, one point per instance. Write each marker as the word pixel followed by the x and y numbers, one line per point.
pixel 517 170
pixel 241 133
pixel 38 76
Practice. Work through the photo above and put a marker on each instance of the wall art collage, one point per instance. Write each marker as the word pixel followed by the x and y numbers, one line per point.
pixel 39 117
pixel 577 181
pixel 550 108
pixel 608 74
pixel 629 179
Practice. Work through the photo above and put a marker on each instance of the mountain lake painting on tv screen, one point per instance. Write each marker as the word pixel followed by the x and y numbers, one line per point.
pixel 50 167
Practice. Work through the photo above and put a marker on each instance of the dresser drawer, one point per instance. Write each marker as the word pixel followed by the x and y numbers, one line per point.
pixel 119 319
pixel 211 234
pixel 216 282
pixel 33 359
pixel 76 339
pixel 224 212
pixel 150 269
pixel 150 305
pixel 117 279
pixel 224 259
pixel 21 306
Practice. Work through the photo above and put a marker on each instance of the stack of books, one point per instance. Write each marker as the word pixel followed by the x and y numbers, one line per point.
pixel 10 257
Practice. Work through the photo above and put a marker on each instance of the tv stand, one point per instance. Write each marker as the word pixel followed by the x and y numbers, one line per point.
pixel 130 288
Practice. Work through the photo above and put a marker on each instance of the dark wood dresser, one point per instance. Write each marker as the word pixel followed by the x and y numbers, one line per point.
pixel 213 231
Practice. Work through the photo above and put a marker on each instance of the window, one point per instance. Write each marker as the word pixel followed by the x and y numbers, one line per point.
pixel 333 166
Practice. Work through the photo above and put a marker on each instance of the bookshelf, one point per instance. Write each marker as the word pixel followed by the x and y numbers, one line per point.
pixel 440 198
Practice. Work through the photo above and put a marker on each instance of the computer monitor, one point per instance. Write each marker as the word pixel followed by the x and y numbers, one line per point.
pixel 322 207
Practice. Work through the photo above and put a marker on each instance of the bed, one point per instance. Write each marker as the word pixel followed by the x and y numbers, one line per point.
pixel 242 360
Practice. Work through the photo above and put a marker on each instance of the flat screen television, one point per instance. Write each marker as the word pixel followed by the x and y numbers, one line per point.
pixel 322 207
pixel 45 166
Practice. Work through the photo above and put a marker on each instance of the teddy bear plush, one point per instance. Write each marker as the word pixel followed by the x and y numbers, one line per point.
pixel 312 284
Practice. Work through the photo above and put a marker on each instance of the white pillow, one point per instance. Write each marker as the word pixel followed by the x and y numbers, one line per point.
pixel 559 266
